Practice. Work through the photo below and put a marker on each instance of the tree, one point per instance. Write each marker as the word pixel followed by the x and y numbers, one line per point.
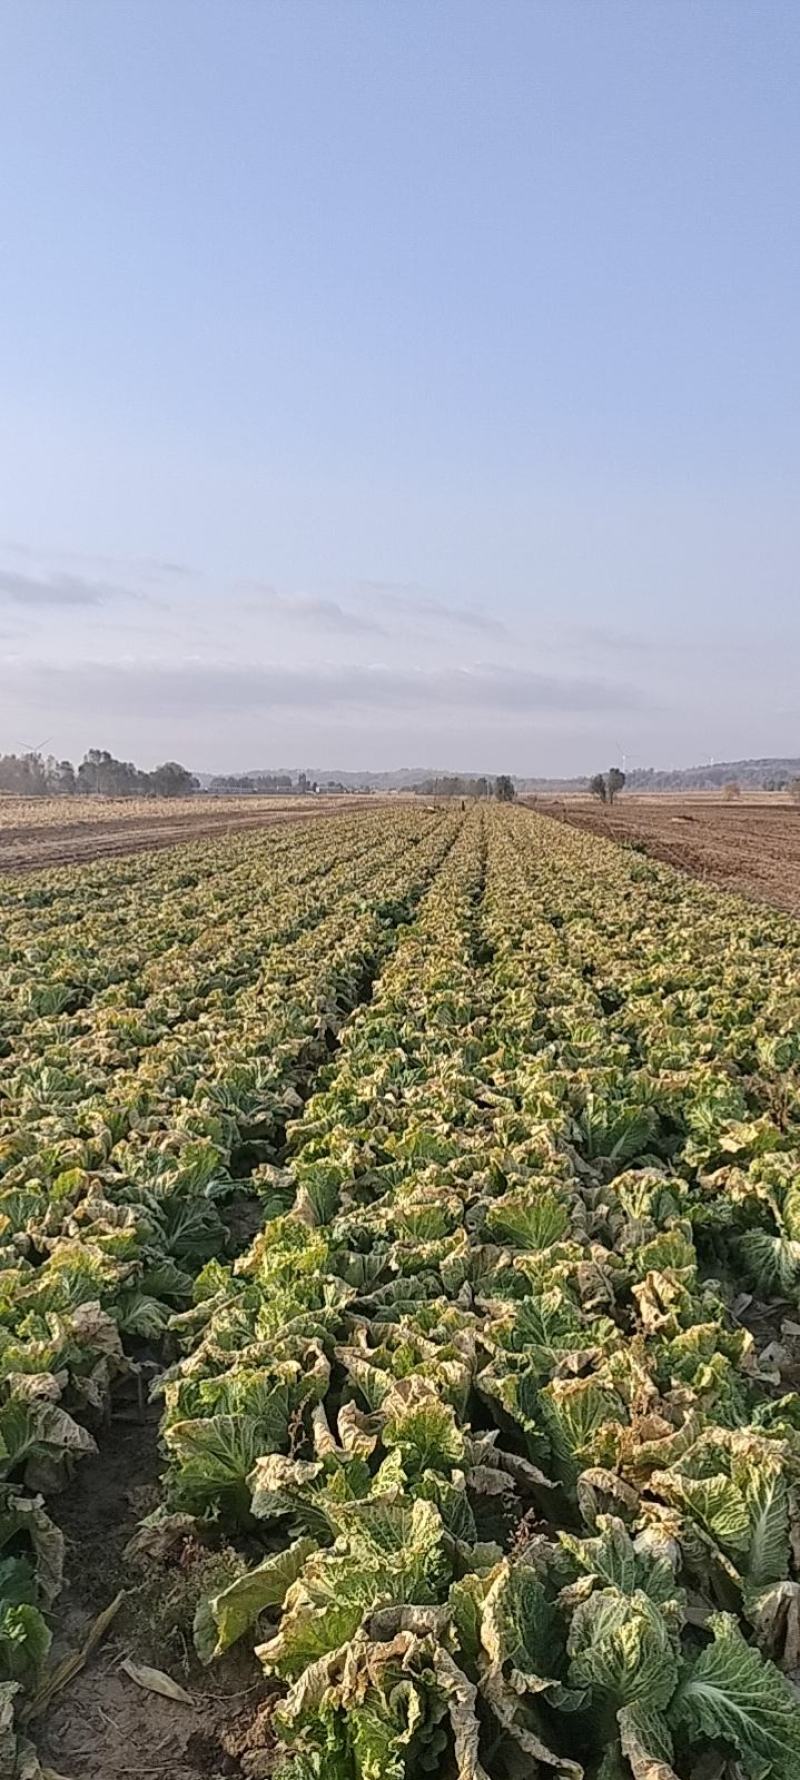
pixel 504 788
pixel 24 774
pixel 101 775
pixel 60 777
pixel 794 790
pixel 172 780
pixel 614 782
pixel 598 787
pixel 731 790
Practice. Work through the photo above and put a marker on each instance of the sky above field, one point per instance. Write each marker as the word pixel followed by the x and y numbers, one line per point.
pixel 400 383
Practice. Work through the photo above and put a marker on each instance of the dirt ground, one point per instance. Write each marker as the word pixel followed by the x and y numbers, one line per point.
pixel 102 1725
pixel 751 846
pixel 30 845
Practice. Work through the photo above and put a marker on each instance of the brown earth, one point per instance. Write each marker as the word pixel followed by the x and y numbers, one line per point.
pixel 748 846
pixel 26 847
pixel 102 1725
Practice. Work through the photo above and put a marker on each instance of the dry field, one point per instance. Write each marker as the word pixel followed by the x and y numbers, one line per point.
pixel 44 831
pixel 751 846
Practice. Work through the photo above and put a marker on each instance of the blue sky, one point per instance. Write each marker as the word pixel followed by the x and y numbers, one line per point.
pixel 400 381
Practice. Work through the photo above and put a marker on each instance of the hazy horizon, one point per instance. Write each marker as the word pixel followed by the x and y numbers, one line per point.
pixel 400 382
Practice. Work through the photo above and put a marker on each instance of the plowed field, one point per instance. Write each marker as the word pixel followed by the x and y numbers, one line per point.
pixel 750 847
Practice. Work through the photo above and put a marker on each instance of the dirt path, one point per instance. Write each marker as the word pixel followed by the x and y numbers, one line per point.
pixel 751 848
pixel 103 1726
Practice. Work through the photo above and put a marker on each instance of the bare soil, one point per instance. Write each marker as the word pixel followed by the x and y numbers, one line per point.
pixel 102 1726
pixel 751 847
pixel 26 847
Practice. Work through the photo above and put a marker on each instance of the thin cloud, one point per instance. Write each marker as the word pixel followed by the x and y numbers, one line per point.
pixel 409 600
pixel 62 592
pixel 314 613
pixel 91 560
pixel 198 689
pixel 608 637
pixel 54 590
pixel 463 617
pixel 180 569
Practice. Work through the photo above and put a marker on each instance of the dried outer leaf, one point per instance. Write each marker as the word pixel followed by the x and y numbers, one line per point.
pixel 29 1515
pixel 8 1740
pixel 386 1622
pixel 461 1699
pixel 70 1666
pixel 573 1593
pixel 320 1428
pixel 775 1617
pixel 275 1475
pixel 358 1432
pixel 653 1444
pixel 61 1430
pixel 526 1475
pixel 306 1693
pixel 93 1325
pixel 576 1360
pixel 408 1393
pixel 304 1209
pixel 161 1538
pixel 505 1706
pixel 659 1533
pixel 488 1481
pixel 602 1492
pixel 644 1737
pixel 156 1681
pixel 345 1669
pixel 518 1635
pixel 44 1386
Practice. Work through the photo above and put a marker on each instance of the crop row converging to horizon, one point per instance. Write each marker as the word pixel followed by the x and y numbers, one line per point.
pixel 513 1486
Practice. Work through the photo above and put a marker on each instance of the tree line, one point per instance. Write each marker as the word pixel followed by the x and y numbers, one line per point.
pixel 262 785
pixel 455 785
pixel 98 775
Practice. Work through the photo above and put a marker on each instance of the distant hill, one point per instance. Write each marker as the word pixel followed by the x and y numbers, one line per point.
pixel 770 774
pixel 404 778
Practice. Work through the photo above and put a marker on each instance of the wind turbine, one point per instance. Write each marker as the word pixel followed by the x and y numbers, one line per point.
pixel 35 747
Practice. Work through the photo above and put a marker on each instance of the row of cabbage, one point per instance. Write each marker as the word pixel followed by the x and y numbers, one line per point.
pixel 126 1123
pixel 106 932
pixel 18 815
pixel 525 1491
